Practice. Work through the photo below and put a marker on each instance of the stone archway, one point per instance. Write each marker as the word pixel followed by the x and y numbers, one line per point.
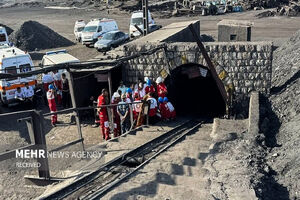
pixel 193 91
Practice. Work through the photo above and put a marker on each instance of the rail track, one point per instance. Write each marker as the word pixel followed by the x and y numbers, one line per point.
pixel 99 182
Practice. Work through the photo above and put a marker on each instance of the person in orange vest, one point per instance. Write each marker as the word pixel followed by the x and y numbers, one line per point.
pixel 104 125
pixel 117 121
pixel 161 88
pixel 52 104
pixel 163 108
pixel 171 108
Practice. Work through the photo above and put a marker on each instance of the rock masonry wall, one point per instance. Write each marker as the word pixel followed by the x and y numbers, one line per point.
pixel 244 66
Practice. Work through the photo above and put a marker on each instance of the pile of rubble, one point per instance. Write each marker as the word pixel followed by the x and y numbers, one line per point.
pixel 293 9
pixel 281 116
pixel 35 36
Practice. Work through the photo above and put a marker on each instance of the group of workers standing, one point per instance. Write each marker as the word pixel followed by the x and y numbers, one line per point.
pixel 135 97
pixel 56 87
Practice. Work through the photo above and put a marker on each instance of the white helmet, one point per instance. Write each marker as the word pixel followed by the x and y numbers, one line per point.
pixel 116 95
pixel 159 80
pixel 146 79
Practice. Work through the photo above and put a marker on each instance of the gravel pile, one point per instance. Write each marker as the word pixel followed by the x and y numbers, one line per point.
pixel 35 36
pixel 8 29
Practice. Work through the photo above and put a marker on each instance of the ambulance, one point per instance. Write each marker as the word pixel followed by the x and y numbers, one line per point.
pixel 3 36
pixel 95 29
pixel 14 61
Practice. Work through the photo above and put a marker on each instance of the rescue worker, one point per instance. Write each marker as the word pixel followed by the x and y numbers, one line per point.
pixel 136 107
pixel 149 88
pixel 129 98
pixel 123 111
pixel 140 90
pixel 28 92
pixel 117 125
pixel 171 108
pixel 58 85
pixel 52 104
pixel 163 108
pixel 19 95
pixel 104 125
pixel 161 88
pixel 47 79
pixel 153 110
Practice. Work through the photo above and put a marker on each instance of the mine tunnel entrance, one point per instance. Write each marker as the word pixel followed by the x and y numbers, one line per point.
pixel 193 91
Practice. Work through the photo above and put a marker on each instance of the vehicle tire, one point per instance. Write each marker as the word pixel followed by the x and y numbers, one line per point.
pixel 79 39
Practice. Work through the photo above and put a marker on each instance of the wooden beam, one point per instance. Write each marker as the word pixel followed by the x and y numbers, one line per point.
pixel 72 93
pixel 210 64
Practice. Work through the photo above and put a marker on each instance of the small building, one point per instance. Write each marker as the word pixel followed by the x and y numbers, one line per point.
pixel 234 30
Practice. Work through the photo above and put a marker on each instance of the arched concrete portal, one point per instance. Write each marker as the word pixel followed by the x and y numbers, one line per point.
pixel 192 90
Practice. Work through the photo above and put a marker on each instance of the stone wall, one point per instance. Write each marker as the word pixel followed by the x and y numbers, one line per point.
pixel 245 66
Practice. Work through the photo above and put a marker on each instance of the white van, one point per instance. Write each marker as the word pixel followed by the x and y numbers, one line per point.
pixel 137 19
pixel 96 28
pixel 3 36
pixel 78 28
pixel 58 57
pixel 14 61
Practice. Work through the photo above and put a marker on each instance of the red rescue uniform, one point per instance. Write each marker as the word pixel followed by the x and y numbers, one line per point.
pixel 153 106
pixel 171 110
pixel 52 106
pixel 117 121
pixel 162 90
pixel 164 110
pixel 150 89
pixel 104 125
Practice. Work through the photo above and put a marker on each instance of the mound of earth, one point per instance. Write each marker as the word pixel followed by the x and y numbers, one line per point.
pixel 33 35
pixel 281 122
pixel 8 29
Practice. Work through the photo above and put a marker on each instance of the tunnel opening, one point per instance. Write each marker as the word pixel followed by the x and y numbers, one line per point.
pixel 193 91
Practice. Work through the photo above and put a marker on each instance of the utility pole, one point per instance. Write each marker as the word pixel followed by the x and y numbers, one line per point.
pixel 145 17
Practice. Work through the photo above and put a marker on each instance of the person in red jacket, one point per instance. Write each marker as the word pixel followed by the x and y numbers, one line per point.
pixel 153 114
pixel 161 88
pixel 171 108
pixel 149 88
pixel 117 121
pixel 163 108
pixel 104 125
pixel 52 104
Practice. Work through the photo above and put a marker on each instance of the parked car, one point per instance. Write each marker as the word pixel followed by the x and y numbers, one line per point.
pixel 110 40
pixel 95 30
pixel 78 28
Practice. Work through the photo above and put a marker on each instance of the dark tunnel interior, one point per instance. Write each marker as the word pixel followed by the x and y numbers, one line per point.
pixel 194 91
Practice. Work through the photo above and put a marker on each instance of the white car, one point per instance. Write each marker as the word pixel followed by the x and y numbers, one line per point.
pixel 78 28
pixel 96 28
